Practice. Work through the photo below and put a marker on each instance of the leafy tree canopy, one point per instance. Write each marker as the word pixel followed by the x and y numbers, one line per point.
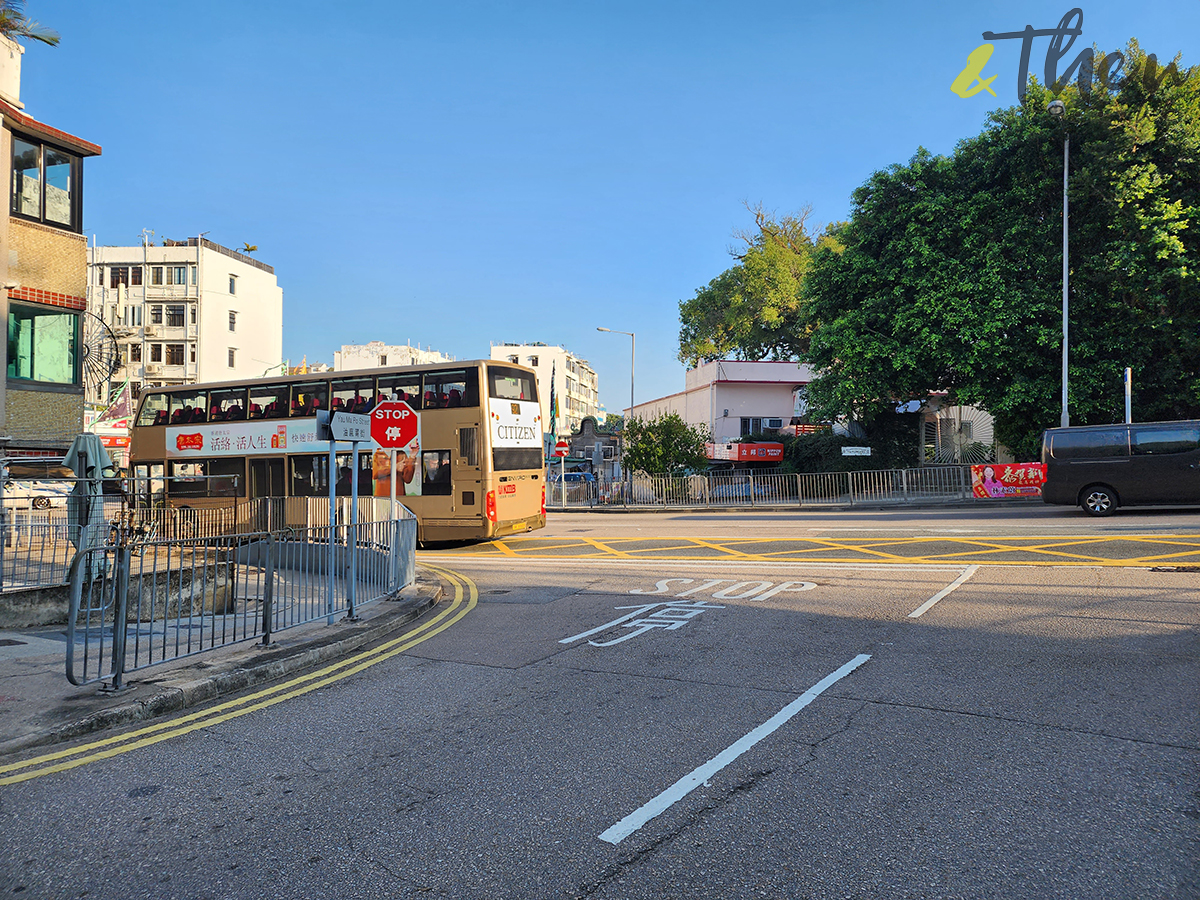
pixel 665 445
pixel 753 310
pixel 948 275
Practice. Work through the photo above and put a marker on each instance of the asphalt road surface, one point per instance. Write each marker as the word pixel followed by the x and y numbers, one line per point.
pixel 714 727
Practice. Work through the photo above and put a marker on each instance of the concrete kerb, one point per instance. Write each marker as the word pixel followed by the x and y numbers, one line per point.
pixel 792 507
pixel 411 603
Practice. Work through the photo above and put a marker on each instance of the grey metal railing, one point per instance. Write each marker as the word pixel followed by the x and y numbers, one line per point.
pixel 135 602
pixel 932 484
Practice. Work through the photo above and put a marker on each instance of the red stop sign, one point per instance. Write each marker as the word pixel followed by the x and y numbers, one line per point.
pixel 393 424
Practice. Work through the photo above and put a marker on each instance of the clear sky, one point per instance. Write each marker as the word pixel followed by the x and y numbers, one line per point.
pixel 460 173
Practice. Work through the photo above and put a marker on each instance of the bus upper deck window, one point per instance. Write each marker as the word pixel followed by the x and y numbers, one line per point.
pixel 356 395
pixel 269 402
pixel 188 407
pixel 227 405
pixel 154 410
pixel 451 389
pixel 308 397
pixel 406 387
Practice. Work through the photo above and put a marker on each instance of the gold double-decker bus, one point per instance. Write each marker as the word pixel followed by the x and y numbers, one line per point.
pixel 474 470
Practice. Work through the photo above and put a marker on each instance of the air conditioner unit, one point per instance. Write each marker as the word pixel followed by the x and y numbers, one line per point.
pixel 153 369
pixel 152 331
pixel 773 423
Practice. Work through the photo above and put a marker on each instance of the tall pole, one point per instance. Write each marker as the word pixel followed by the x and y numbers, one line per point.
pixel 1066 416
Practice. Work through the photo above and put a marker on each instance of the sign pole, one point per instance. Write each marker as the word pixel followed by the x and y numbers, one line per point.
pixel 332 525
pixel 352 539
pixel 1128 395
pixel 392 508
pixel 562 477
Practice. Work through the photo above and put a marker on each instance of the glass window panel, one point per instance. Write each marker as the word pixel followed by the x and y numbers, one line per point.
pixel 227 477
pixel 174 354
pixel 156 353
pixel 227 405
pixel 135 275
pixel 309 396
pixel 405 387
pixel 42 346
pixel 356 395
pixel 269 401
pixel 175 316
pixel 1090 444
pixel 435 472
pixel 154 410
pixel 451 389
pixel 366 481
pixel 26 178
pixel 59 167
pixel 187 407
pixel 310 476
pixel 156 275
pixel 511 384
pixel 1158 441
pixel 135 353
pixel 156 315
pixel 187 479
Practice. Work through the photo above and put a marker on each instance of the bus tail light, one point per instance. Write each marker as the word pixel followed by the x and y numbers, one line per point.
pixel 491 506
pixel 543 501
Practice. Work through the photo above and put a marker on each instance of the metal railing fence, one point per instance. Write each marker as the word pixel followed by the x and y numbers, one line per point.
pixel 135 603
pixel 932 484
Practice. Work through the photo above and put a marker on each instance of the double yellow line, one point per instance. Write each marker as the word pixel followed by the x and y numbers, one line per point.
pixel 466 596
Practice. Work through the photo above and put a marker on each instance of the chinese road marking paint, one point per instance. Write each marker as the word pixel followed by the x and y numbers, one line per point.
pixel 701 774
pixel 671 615
pixel 933 601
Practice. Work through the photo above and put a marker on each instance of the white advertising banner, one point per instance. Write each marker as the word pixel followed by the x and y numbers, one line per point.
pixel 515 423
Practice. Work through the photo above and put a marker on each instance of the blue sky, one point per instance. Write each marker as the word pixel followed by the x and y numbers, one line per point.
pixel 457 173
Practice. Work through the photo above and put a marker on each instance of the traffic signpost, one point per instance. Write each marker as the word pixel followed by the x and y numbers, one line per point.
pixel 560 450
pixel 394 424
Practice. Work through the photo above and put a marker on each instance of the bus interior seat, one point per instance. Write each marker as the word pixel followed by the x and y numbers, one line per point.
pixel 255 411
pixel 455 398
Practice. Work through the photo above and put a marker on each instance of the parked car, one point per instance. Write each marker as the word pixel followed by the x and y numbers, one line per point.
pixel 1101 467
pixel 571 478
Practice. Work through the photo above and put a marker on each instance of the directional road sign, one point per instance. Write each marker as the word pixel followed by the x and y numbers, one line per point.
pixel 393 424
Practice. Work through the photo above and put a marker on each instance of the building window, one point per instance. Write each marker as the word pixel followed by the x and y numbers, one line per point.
pixel 193 268
pixel 192 352
pixel 133 316
pixel 135 389
pixel 156 274
pixel 515 360
pixel 193 315
pixel 45 184
pixel 156 353
pixel 174 354
pixel 135 353
pixel 383 359
pixel 233 284
pixel 533 361
pixel 42 346
pixel 175 316
pixel 156 315
pixel 177 275
pixel 751 426
pixel 232 321
pixel 118 275
pixel 231 357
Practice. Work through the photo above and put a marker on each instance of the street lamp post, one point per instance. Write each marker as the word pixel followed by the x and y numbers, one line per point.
pixel 632 358
pixel 1058 109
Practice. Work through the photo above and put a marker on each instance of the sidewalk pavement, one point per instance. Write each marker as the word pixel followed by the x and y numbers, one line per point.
pixel 38 706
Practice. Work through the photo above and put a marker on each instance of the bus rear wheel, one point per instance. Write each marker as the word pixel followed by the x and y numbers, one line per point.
pixel 1098 500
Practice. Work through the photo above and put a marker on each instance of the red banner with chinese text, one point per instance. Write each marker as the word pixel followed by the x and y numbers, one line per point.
pixel 1002 481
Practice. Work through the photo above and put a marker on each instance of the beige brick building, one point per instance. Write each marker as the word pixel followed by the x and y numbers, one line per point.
pixel 43 264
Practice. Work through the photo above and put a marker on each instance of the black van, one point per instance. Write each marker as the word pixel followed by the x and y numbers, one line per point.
pixel 1101 467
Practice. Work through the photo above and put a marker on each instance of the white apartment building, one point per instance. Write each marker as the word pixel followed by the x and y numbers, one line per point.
pixel 576 385
pixel 377 353
pixel 187 311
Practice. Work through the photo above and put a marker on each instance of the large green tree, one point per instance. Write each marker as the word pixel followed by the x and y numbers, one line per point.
pixel 753 310
pixel 665 445
pixel 948 275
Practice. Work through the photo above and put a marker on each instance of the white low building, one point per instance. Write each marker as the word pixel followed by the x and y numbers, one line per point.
pixel 576 385
pixel 376 354
pixel 735 398
pixel 187 311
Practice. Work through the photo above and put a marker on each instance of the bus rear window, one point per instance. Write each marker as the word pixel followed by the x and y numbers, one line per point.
pixel 1090 444
pixel 1158 441
pixel 511 384
pixel 152 406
